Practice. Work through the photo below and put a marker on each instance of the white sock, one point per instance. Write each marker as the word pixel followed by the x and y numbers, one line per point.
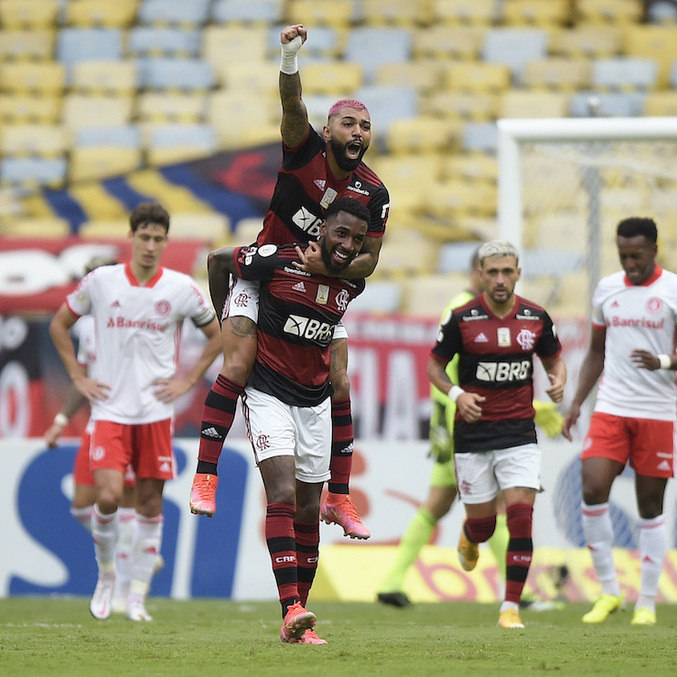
pixel 599 537
pixel 84 516
pixel 146 551
pixel 653 544
pixel 125 545
pixel 509 605
pixel 105 535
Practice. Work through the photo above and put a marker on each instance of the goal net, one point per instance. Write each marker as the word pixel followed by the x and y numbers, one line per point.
pixel 564 184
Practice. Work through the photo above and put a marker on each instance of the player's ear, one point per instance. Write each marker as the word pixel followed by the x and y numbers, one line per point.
pixel 326 132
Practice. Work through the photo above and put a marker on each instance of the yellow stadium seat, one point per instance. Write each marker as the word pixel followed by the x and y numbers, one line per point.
pixel 31 139
pixel 397 258
pixel 423 135
pixel 256 77
pixel 223 46
pixel 32 109
pixel 456 198
pixel 587 41
pixel 104 228
pixel 18 14
pixel 104 77
pixel 442 41
pixel 211 226
pixel 224 106
pixel 170 106
pixel 428 295
pixel 338 78
pixel 406 13
pixel 81 110
pixel 481 12
pixel 39 78
pixel 406 177
pixel 423 74
pixel 653 42
pixel 91 13
pixel 98 162
pixel 473 167
pixel 661 104
pixel 35 227
pixel 477 77
pixel 536 12
pixel 521 104
pixel 608 11
pixel 35 44
pixel 477 106
pixel 323 12
pixel 556 73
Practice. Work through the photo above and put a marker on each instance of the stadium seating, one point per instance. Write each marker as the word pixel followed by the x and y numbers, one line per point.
pixel 44 109
pixel 521 104
pixel 657 43
pixel 178 142
pixel 560 74
pixel 425 75
pixel 336 13
pixel 609 11
pixel 536 12
pixel 99 162
pixel 104 77
pixel 423 135
pixel 514 47
pixel 473 12
pixel 339 78
pixel 378 296
pixel 247 11
pixel 480 136
pixel 472 106
pixel 37 44
pixel 613 104
pixel 373 46
pixel 404 13
pixel 163 41
pixel 177 74
pixel 104 13
pixel 43 78
pixel 444 41
pixel 43 227
pixel 28 14
pixel 624 74
pixel 31 172
pixel 81 110
pixel 661 104
pixel 387 103
pixel 477 76
pixel 88 44
pixel 171 107
pixel 32 139
pixel 183 13
pixel 587 41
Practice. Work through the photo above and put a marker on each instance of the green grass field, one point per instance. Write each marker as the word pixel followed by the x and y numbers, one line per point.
pixel 57 636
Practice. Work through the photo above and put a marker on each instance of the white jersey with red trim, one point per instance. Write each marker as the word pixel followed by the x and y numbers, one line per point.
pixel 83 330
pixel 137 331
pixel 636 317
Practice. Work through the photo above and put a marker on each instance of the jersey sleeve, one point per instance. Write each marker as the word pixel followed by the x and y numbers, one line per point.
pixel 79 301
pixel 379 208
pixel 549 344
pixel 449 340
pixel 257 263
pixel 597 315
pixel 201 313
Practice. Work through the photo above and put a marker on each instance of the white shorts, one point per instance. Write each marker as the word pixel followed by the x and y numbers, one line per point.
pixel 481 475
pixel 243 301
pixel 278 429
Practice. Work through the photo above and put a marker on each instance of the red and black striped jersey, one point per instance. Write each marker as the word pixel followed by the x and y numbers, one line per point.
pixel 304 189
pixel 496 361
pixel 297 315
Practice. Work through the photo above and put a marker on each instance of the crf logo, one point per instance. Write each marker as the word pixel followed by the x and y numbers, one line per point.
pixel 284 559
pixel 263 442
pixel 241 300
pixel 342 299
pixel 304 327
pixel 498 372
pixel 307 222
pixel 526 339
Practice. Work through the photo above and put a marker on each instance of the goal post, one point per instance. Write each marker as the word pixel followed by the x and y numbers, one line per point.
pixel 564 183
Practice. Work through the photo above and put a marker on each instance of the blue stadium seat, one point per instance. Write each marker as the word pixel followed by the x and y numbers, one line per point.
pixel 168 73
pixel 247 11
pixel 480 136
pixel 172 12
pixel 613 104
pixel 514 46
pixel 127 136
pixel 88 44
pixel 387 103
pixel 144 40
pixel 373 46
pixel 624 73
pixel 33 170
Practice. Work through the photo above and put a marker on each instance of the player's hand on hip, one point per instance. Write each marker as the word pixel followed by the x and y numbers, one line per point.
pixel 168 389
pixel 91 389
pixel 468 405
pixel 643 359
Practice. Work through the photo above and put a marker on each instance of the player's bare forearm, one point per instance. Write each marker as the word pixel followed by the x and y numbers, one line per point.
pixel 557 374
pixel 294 123
pixel 220 265
pixel 438 375
pixel 364 264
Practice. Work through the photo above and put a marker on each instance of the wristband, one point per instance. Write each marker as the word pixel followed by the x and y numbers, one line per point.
pixel 289 64
pixel 665 361
pixel 454 392
pixel 61 419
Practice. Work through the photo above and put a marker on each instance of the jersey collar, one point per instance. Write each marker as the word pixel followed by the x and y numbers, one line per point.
pixel 135 283
pixel 657 272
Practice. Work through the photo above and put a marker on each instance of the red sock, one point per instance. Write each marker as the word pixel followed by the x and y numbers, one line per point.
pixel 520 550
pixel 479 530
pixel 307 555
pixel 341 446
pixel 282 548
pixel 217 418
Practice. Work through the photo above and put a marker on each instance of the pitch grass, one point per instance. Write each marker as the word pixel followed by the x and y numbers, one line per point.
pixel 57 636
